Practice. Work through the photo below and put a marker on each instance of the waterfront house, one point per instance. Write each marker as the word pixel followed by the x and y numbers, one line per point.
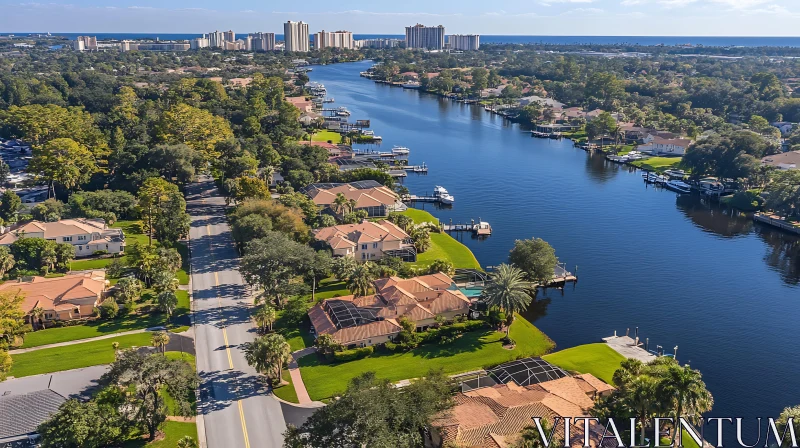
pixel 368 241
pixel 665 146
pixel 89 236
pixel 784 161
pixel 69 297
pixel 370 196
pixel 494 416
pixel 784 126
pixel 368 320
pixel 301 103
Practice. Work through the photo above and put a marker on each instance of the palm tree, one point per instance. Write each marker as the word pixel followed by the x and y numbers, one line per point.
pixel 642 399
pixel 340 204
pixel 48 259
pixel 507 291
pixel 629 369
pixel 37 314
pixel 160 339
pixel 265 316
pixel 6 261
pixel 684 388
pixel 187 442
pixel 268 354
pixel 530 437
pixel 165 281
pixel 360 280
pixel 167 302
pixel 422 238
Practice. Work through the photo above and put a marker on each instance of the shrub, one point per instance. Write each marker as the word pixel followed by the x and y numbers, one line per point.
pixel 109 309
pixel 100 252
pixel 352 355
pixel 115 269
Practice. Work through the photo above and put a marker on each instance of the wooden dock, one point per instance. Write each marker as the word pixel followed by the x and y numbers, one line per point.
pixel 479 228
pixel 416 198
pixel 777 221
pixel 629 348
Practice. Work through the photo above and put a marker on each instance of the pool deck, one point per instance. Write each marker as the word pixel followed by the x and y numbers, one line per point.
pixel 624 345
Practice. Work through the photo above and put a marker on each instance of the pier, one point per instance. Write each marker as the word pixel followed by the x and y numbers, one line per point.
pixel 777 221
pixel 479 228
pixel 635 349
pixel 414 168
pixel 416 198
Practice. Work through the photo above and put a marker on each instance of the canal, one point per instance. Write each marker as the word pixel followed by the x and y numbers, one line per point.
pixel 687 273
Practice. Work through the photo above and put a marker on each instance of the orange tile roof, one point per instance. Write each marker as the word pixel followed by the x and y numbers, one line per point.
pixel 364 232
pixel 58 293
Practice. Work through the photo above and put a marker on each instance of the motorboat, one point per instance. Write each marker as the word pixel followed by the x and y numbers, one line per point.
pixel 328 100
pixel 711 186
pixel 342 112
pixel 654 178
pixel 678 186
pixel 675 174
pixel 400 151
pixel 442 194
pixel 368 133
pixel 411 85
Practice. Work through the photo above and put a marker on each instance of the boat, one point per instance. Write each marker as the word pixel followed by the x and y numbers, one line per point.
pixel 328 100
pixel 367 133
pixel 411 85
pixel 443 196
pixel 342 112
pixel 678 186
pixel 653 178
pixel 677 174
pixel 400 151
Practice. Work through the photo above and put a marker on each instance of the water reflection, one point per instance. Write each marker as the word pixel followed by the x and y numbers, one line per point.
pixel 713 218
pixel 599 168
pixel 538 308
pixel 783 253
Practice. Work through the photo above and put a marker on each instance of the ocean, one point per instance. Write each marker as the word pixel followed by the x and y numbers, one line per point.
pixel 714 41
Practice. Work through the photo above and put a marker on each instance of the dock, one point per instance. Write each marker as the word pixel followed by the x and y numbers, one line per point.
pixel 629 348
pixel 416 198
pixel 777 221
pixel 414 168
pixel 479 228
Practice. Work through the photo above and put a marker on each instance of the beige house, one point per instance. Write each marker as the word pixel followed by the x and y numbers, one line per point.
pixel 665 146
pixel 87 235
pixel 374 198
pixel 367 240
pixel 62 298
pixel 372 319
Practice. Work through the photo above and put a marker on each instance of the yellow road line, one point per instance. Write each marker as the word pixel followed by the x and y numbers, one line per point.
pixel 227 345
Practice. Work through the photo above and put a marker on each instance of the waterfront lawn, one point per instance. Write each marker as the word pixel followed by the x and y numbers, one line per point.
pixel 286 392
pixel 659 164
pixel 74 356
pixel 133 321
pixel 472 351
pixel 598 359
pixel 443 246
pixel 324 136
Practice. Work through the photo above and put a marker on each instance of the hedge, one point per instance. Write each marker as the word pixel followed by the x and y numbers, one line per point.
pixel 352 355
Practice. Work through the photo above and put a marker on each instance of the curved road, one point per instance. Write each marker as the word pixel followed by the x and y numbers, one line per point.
pixel 236 407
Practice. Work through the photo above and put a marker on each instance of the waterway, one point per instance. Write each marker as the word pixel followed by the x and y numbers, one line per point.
pixel 726 291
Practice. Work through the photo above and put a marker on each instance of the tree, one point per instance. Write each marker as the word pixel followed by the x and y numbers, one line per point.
pixel 5 364
pixel 318 270
pixel 783 193
pixel 327 345
pixel 359 282
pixel 340 205
pixel 530 437
pixel 109 309
pixel 12 324
pixel 167 301
pixel 536 259
pixel 64 161
pixel 95 424
pixel 196 128
pixel 165 281
pixel 783 421
pixel 402 221
pixel 265 316
pixel 175 162
pixel 163 210
pixel 422 238
pixel 128 289
pixel 6 260
pixel 49 211
pixel 37 315
pixel 187 442
pixel 268 354
pixel 342 267
pixel 160 339
pixel 684 389
pixel 641 397
pixel 9 205
pixel 272 262
pixel 507 291
pixel 374 413
pixel 443 266
pixel 146 377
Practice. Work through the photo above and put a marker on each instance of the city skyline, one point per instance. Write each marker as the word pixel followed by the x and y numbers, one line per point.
pixel 515 17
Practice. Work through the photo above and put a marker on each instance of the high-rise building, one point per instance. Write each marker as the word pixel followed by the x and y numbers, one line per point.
pixel 230 36
pixel 263 41
pixel 247 42
pixel 199 42
pixel 85 43
pixel 336 39
pixel 421 36
pixel 216 39
pixel 466 42
pixel 378 43
pixel 295 35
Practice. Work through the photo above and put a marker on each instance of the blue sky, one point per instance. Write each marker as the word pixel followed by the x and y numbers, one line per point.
pixel 531 17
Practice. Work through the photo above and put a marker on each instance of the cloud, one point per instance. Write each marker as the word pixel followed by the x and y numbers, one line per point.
pixel 585 11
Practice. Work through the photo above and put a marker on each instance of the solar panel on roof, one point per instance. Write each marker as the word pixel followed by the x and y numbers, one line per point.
pixel 527 371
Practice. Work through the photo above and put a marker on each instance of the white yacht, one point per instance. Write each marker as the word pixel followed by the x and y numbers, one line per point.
pixel 678 186
pixel 443 195
pixel 411 85
pixel 677 174
pixel 368 133
pixel 342 112
pixel 400 151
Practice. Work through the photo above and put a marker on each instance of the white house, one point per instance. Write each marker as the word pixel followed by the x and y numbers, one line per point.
pixel 87 235
pixel 665 146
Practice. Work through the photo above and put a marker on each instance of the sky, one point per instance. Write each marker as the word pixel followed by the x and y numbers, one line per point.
pixel 506 17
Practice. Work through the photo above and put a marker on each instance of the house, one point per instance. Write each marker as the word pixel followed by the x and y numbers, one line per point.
pixel 494 416
pixel 69 297
pixel 368 320
pixel 545 102
pixel 784 161
pixel 87 235
pixel 784 126
pixel 22 413
pixel 666 146
pixel 301 103
pixel 370 196
pixel 367 240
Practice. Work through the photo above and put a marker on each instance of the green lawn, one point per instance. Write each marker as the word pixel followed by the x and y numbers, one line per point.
pixel 659 164
pixel 103 327
pixel 173 431
pixel 286 392
pixel 474 350
pixel 598 359
pixel 73 356
pixel 324 136
pixel 168 400
pixel 443 246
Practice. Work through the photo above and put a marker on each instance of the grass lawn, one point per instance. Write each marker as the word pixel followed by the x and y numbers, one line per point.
pixel 474 350
pixel 73 356
pixel 286 392
pixel 598 359
pixel 443 246
pixel 659 164
pixel 324 136
pixel 168 400
pixel 118 325
pixel 173 431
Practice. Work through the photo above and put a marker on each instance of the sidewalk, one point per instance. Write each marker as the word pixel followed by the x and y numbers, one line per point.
pixel 297 380
pixel 77 341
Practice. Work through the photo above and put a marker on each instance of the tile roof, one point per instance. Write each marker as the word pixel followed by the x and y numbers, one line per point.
pixel 58 293
pixel 364 232
pixel 364 197
pixel 97 228
pixel 786 159
pixel 21 414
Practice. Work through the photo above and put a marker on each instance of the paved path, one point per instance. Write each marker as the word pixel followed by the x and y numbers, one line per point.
pixel 235 408
pixel 77 341
pixel 297 380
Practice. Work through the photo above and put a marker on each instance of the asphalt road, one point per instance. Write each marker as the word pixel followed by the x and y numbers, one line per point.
pixel 237 409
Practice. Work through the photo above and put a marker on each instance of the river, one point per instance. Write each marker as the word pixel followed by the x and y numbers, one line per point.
pixel 726 291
